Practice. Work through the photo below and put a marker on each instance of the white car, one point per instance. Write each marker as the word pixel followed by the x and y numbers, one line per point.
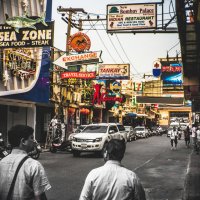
pixel 141 131
pixel 122 131
pixel 94 138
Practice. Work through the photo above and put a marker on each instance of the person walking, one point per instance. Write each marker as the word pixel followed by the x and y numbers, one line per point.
pixel 187 136
pixel 194 137
pixel 113 181
pixel 31 181
pixel 198 140
pixel 173 137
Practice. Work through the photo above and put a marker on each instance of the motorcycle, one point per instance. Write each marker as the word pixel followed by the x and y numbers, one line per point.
pixel 59 145
pixel 35 153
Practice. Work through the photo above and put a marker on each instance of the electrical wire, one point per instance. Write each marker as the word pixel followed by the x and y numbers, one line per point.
pixel 114 46
pixel 103 43
pixel 126 54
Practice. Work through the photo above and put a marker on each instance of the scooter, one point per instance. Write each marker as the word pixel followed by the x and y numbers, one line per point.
pixel 35 153
pixel 59 145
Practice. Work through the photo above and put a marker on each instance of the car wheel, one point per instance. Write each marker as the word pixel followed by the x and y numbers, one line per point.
pixel 76 153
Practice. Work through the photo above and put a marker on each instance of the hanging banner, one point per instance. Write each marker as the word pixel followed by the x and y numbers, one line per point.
pixel 131 16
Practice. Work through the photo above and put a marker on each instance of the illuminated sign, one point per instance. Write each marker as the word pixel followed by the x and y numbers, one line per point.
pixel 26 37
pixel 172 76
pixel 20 70
pixel 114 71
pixel 79 42
pixel 131 16
pixel 78 59
pixel 81 75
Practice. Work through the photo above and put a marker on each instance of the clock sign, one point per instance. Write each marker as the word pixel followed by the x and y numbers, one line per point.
pixel 79 42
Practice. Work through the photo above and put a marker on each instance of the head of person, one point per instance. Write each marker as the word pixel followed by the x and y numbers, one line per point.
pixel 115 150
pixel 21 136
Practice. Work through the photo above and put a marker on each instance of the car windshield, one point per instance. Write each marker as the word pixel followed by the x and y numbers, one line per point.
pixel 121 127
pixel 127 128
pixel 139 129
pixel 95 129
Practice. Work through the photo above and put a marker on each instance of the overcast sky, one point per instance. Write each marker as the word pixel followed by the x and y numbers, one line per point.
pixel 140 50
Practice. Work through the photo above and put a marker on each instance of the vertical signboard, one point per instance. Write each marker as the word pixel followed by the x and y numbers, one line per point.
pixel 172 76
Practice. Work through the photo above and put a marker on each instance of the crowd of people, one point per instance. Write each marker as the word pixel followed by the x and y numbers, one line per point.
pixel 193 132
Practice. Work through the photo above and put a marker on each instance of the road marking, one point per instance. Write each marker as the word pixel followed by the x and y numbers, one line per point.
pixel 143 164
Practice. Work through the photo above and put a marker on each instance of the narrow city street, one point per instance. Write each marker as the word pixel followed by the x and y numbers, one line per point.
pixel 161 170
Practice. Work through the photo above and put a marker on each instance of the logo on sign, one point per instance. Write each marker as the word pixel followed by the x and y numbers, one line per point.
pixel 157 68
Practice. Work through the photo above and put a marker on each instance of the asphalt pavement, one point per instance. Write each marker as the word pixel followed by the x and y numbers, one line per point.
pixel 168 163
pixel 192 179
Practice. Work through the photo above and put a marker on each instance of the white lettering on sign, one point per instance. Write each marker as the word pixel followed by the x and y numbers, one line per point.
pixel 36 35
pixel 8 36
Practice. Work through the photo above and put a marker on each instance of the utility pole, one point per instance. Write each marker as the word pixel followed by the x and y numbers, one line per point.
pixel 69 12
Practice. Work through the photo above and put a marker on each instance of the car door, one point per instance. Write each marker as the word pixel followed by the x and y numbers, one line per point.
pixel 113 131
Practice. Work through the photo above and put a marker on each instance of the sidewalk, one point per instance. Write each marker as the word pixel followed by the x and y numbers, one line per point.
pixel 192 179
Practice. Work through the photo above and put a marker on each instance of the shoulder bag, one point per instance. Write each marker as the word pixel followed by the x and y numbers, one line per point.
pixel 9 197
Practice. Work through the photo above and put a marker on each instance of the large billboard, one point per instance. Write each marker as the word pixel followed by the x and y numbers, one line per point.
pixel 172 75
pixel 131 16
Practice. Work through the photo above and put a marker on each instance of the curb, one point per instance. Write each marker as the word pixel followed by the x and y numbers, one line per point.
pixel 192 179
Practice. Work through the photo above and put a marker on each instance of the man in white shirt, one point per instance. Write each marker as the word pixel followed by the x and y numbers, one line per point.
pixel 173 137
pixel 198 140
pixel 113 181
pixel 194 137
pixel 31 182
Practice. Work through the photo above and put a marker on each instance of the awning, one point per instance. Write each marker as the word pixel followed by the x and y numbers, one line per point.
pixel 131 114
pixel 160 100
pixel 141 115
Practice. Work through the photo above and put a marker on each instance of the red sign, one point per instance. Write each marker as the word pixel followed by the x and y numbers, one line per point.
pixel 81 75
pixel 79 42
pixel 171 69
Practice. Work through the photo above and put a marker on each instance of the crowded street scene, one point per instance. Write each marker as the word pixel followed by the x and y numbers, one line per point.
pixel 99 100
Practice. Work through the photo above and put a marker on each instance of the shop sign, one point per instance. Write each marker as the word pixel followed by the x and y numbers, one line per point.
pixel 78 59
pixel 131 16
pixel 40 36
pixel 157 68
pixel 81 75
pixel 20 71
pixel 114 71
pixel 172 76
pixel 79 42
pixel 138 86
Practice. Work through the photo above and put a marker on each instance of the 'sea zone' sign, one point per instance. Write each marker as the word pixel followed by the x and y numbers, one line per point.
pixel 27 37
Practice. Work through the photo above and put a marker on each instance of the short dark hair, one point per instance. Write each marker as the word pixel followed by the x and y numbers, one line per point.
pixel 116 149
pixel 17 132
